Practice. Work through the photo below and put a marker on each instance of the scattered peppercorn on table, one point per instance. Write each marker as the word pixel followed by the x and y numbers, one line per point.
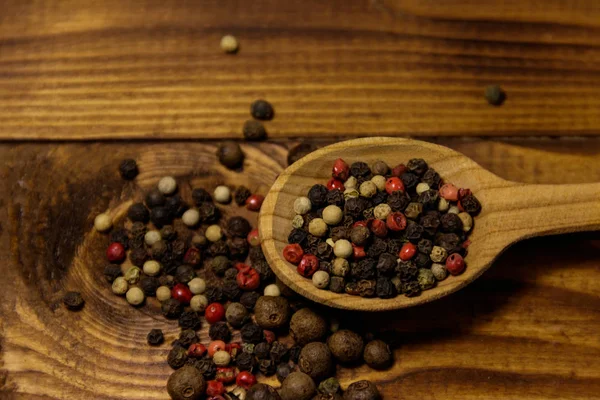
pixel 527 329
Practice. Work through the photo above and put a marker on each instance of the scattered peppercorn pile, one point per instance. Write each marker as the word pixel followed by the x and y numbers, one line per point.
pixel 381 231
pixel 171 247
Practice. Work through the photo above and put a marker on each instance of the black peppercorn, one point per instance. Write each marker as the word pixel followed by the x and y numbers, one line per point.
pixel 138 257
pixel 138 212
pixel 261 109
pixel 167 280
pixel 200 195
pixel 220 331
pixel 386 265
pixel 256 254
pixel 366 288
pixel 155 337
pixel 380 168
pixel 407 270
pixel 335 197
pixel 425 246
pixel 359 235
pixel 339 232
pixel 159 249
pixel 207 367
pixel 238 248
pixel 364 269
pixel 189 320
pixel 149 284
pixel 429 199
pixel 167 232
pixel 300 151
pixel 294 353
pixel 245 361
pixel 214 294
pixel 360 169
pixel 249 299
pixel 409 180
pixel 254 130
pixel 451 223
pixel 325 266
pixel 128 169
pixel 264 270
pixel 398 200
pixel 252 333
pixel 354 207
pixel 385 289
pixel 231 290
pixel 394 245
pixel 430 222
pixel 377 248
pixel 120 236
pixel 279 352
pixel 494 95
pixel 432 178
pixel 422 260
pixel 449 241
pixel 176 206
pixel 241 195
pixel 352 289
pixel 318 196
pixel 230 274
pixel 379 198
pixel 73 301
pixel 337 284
pixel 188 337
pixel 155 198
pixel 267 367
pixel 417 166
pixel 219 248
pixel 413 231
pixel 283 370
pixel 177 357
pixel 470 204
pixel 220 264
pixel 411 288
pixel 112 272
pixel 209 213
pixel 262 350
pixel 171 308
pixel 160 216
pixel 230 154
pixel 324 251
pixel 238 227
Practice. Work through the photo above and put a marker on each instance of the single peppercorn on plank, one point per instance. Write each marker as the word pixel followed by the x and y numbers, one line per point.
pixel 531 319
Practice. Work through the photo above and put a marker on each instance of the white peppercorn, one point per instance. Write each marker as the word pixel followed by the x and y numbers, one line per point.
pixel 351 183
pixel 221 358
pixel 213 233
pixel 317 227
pixel 381 211
pixel 222 194
pixel 332 215
pixel 330 242
pixel 163 293
pixel 320 279
pixel 152 237
pixel 120 286
pixel 343 248
pixel 379 181
pixel 340 267
pixel 422 187
pixel 135 296
pixel 467 221
pixel 229 44
pixel 368 189
pixel 152 267
pixel 351 193
pixel 438 254
pixel 191 217
pixel 199 303
pixel 453 210
pixel 197 285
pixel 302 205
pixel 132 275
pixel 298 221
pixel 272 290
pixel 102 222
pixel 443 204
pixel 167 185
pixel 439 271
pixel 240 392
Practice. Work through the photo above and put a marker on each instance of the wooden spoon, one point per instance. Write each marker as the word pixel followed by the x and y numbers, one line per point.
pixel 510 212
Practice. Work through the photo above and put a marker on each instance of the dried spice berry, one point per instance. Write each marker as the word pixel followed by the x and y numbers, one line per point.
pixel 187 337
pixel 426 279
pixel 360 169
pixel 149 284
pixel 429 199
pixel 128 169
pixel 455 264
pixel 300 151
pixel 307 326
pixel 219 248
pixel 245 361
pixel 264 271
pixel 279 352
pixel 177 357
pixel 283 371
pixel 254 130
pixel 155 337
pixel 160 216
pixel 335 197
pixel 176 206
pixel 398 201
pixel 231 290
pixel 262 351
pixel 73 301
pixel 186 383
pixel 230 154
pixel 318 195
pixel 138 212
pixel 115 253
pixel 297 386
pixel 171 308
pixel 409 180
pixel 432 178
pixel 386 264
pixel 249 299
pixel 209 213
pixel 272 312
pixel 262 109
pixel 219 331
pixel 252 333
pixel 385 289
pixel 112 272
pixel 494 95
pixel 417 166
pixel 470 204
pixel 411 289
pixel 422 260
pixel 297 236
pixel 346 346
pixel 206 367
pixel 414 232
pixel 366 288
pixel 316 361
pixel 451 223
pixel 189 320
pixel 184 273
pixel 214 294
pixel 425 246
pixel 238 227
pixel 238 248
pixel 407 270
pixel 451 242
pixel 377 248
pixel 377 354
pixel 430 223
pixel 267 367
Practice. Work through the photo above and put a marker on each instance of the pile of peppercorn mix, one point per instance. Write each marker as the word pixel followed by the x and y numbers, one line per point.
pixel 379 231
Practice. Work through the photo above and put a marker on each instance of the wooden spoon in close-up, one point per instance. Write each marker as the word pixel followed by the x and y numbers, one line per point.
pixel 511 212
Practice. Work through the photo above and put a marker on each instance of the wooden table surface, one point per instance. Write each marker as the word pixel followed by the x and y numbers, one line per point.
pixel 78 77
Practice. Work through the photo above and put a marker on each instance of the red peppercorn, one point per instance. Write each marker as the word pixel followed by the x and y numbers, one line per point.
pixel 455 264
pixel 340 169
pixel 245 379
pixel 449 192
pixel 196 350
pixel 309 264
pixel 214 346
pixel 360 223
pixel 254 202
pixel 182 293
pixel 393 184
pixel 253 238
pixel 269 336
pixel 396 221
pixel 115 252
pixel 241 266
pixel 398 170
pixel 333 184
pixel 233 349
pixel 248 279
pixel 463 192
pixel 214 312
pixel 192 256
pixel 225 374
pixel 358 252
pixel 379 228
pixel 407 251
pixel 293 253
pixel 215 388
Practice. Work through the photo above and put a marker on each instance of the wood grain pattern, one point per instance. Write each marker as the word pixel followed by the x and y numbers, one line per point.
pixel 512 212
pixel 89 69
pixel 527 329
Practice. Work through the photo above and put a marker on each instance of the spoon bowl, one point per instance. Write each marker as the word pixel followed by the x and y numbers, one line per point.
pixel 511 211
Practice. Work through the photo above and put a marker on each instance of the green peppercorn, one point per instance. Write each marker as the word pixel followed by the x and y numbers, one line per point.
pixel 329 386
pixel 426 279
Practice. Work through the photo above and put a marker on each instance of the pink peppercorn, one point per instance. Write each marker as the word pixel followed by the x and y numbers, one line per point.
pixel 309 264
pixel 192 256
pixel 407 251
pixel 398 170
pixel 214 312
pixel 333 184
pixel 248 279
pixel 455 264
pixel 379 228
pixel 358 252
pixel 396 221
pixel 449 192
pixel 293 253
pixel 115 252
pixel 253 238
pixel 254 202
pixel 182 293
pixel 340 169
pixel 393 184
pixel 245 379
pixel 196 350
pixel 215 388
pixel 269 336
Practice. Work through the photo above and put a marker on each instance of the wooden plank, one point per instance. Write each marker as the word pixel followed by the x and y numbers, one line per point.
pixel 75 70
pixel 528 328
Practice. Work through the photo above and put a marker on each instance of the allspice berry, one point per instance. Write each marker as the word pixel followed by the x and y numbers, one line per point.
pixel 297 386
pixel 378 355
pixel 262 391
pixel 346 346
pixel 272 312
pixel 262 109
pixel 236 315
pixel 187 383
pixel 230 155
pixel 307 326
pixel 362 390
pixel 254 130
pixel 315 360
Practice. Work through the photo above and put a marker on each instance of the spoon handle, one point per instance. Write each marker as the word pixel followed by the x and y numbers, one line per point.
pixel 525 210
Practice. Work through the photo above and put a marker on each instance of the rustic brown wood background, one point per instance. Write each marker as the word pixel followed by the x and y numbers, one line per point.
pixel 89 70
